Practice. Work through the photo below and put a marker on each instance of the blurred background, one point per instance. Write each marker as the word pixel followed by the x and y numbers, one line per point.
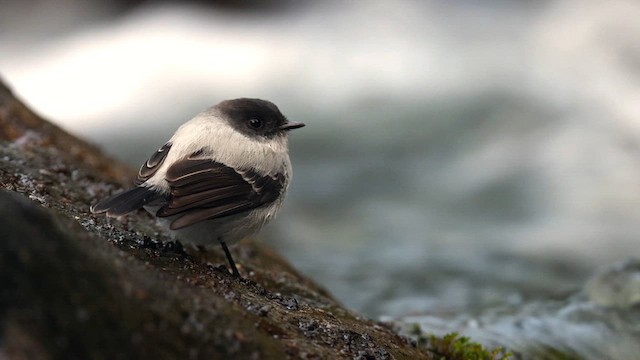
pixel 458 155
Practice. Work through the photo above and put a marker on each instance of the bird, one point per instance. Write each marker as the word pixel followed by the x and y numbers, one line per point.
pixel 221 177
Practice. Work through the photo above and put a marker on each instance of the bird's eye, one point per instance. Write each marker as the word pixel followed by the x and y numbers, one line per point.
pixel 255 123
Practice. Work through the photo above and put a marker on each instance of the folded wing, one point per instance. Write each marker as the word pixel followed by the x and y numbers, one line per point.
pixel 203 189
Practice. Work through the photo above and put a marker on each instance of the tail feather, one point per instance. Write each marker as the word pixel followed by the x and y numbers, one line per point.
pixel 126 202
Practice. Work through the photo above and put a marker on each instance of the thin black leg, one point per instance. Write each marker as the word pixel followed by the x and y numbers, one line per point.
pixel 234 269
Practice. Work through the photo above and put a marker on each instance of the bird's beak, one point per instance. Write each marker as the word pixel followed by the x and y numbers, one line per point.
pixel 290 125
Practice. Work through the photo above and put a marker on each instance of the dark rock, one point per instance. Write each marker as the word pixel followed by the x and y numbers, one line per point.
pixel 78 286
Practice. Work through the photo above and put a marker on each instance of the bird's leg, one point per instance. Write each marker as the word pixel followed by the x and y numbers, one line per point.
pixel 234 269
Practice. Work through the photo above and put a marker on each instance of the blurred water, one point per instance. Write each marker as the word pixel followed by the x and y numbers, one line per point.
pixel 599 322
pixel 573 329
pixel 459 156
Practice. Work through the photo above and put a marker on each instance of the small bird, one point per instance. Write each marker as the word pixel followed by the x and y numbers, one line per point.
pixel 221 177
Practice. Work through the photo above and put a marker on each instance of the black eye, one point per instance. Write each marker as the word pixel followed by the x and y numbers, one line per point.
pixel 255 123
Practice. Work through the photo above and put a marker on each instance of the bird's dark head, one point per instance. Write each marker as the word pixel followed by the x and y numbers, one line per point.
pixel 256 117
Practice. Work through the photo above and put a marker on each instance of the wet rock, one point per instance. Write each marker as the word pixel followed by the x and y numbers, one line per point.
pixel 616 285
pixel 78 286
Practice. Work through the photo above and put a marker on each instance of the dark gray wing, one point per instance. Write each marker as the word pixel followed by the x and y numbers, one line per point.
pixel 204 189
pixel 149 168
pixel 133 199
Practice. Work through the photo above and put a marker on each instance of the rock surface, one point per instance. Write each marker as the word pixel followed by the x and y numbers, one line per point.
pixel 79 286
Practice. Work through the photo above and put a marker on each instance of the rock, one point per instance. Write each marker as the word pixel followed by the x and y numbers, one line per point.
pixel 79 286
pixel 616 285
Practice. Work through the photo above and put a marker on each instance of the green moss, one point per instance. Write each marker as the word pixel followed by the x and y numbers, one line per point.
pixel 455 347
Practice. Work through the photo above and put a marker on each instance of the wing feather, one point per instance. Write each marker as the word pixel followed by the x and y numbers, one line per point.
pixel 133 199
pixel 198 215
pixel 151 166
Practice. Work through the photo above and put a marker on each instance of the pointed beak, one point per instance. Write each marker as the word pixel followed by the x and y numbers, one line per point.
pixel 290 125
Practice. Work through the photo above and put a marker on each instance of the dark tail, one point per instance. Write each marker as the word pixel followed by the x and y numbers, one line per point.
pixel 126 202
